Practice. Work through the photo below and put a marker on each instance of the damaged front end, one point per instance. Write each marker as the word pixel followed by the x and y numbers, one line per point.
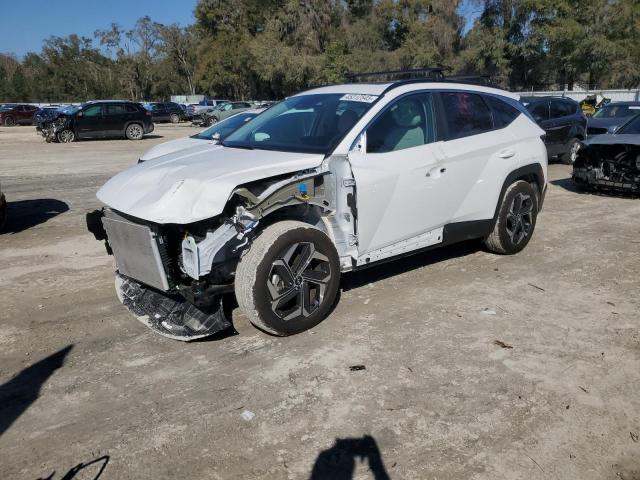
pixel 173 277
pixel 50 128
pixel 613 167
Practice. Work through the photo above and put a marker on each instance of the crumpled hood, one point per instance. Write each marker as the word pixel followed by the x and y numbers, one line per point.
pixel 194 184
pixel 174 145
pixel 614 139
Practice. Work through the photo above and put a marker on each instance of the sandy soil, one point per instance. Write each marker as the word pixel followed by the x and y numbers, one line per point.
pixel 81 380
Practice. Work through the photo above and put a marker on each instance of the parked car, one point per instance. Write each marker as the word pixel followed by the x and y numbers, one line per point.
pixel 3 209
pixel 611 162
pixel 44 114
pixel 330 180
pixel 98 119
pixel 563 122
pixel 17 114
pixel 196 108
pixel 165 112
pixel 214 115
pixel 612 116
pixel 213 135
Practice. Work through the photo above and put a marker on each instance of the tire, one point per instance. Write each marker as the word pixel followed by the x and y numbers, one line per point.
pixel 270 285
pixel 66 136
pixel 211 121
pixel 570 157
pixel 134 131
pixel 9 122
pixel 516 219
pixel 174 118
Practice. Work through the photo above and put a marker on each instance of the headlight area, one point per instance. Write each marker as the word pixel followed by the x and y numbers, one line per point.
pixel 173 277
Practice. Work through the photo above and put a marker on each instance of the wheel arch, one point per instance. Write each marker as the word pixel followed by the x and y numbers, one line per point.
pixel 533 174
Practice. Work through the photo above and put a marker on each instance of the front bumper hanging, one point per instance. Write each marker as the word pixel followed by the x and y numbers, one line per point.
pixel 171 317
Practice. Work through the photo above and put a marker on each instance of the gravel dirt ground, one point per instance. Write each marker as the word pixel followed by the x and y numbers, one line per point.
pixel 476 366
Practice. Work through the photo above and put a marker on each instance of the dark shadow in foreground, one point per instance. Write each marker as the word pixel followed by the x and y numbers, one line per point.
pixel 24 214
pixel 98 465
pixel 339 462
pixel 567 184
pixel 22 390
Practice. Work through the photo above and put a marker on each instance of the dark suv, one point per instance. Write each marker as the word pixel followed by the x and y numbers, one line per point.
pixel 98 119
pixel 165 112
pixel 564 124
pixel 17 114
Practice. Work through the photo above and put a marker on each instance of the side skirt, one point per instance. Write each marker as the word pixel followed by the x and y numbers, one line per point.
pixel 448 235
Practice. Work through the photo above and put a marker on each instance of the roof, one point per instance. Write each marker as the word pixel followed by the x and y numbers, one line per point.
pixel 405 86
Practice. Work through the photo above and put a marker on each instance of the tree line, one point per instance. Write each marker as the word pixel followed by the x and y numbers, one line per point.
pixel 271 48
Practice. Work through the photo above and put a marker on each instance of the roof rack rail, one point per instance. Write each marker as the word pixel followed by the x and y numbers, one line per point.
pixel 431 73
pixel 476 79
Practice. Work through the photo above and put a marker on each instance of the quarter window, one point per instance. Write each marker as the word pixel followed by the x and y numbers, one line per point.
pixel 561 109
pixel 407 123
pixel 539 111
pixel 466 114
pixel 503 113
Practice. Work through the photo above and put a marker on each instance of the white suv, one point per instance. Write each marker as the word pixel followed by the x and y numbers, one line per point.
pixel 328 181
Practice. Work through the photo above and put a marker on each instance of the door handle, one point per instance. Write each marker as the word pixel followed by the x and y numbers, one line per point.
pixel 507 154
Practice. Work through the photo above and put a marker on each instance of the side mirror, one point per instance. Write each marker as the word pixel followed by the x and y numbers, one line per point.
pixel 80 114
pixel 216 137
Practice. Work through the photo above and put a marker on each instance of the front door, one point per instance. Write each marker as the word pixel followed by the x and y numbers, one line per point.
pixel 399 175
pixel 90 122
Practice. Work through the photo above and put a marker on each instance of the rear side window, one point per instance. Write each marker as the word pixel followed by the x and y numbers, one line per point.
pixel 131 109
pixel 466 114
pixel 561 108
pixel 503 113
pixel 407 123
pixel 539 111
pixel 115 109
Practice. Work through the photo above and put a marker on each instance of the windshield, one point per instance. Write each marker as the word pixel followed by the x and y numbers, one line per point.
pixel 71 109
pixel 226 126
pixel 305 123
pixel 630 128
pixel 5 108
pixel 617 111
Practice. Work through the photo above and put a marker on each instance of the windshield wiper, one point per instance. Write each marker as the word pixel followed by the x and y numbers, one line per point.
pixel 244 146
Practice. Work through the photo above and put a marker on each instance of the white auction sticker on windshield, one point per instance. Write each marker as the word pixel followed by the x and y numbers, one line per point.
pixel 358 97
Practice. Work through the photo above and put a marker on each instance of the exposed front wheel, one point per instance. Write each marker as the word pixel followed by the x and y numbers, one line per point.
pixel 211 121
pixel 174 118
pixel 288 280
pixel 66 136
pixel 516 219
pixel 134 132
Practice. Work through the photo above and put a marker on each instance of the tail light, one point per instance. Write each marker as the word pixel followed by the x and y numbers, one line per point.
pixel 147 113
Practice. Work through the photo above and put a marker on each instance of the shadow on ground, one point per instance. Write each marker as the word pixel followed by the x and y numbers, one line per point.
pixel 399 266
pixel 88 469
pixel 339 461
pixel 567 184
pixel 22 390
pixel 25 214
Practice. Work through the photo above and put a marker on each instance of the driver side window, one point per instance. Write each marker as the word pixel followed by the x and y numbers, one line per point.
pixel 407 123
pixel 93 111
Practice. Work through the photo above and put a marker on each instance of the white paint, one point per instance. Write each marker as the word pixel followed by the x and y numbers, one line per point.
pixel 174 146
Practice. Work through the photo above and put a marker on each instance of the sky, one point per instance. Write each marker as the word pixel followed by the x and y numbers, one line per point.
pixel 26 23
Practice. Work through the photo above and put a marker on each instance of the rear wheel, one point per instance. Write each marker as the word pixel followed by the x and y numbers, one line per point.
pixel 134 131
pixel 9 121
pixel 288 280
pixel 174 118
pixel 516 219
pixel 66 136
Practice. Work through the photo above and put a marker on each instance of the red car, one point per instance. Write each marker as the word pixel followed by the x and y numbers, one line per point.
pixel 17 114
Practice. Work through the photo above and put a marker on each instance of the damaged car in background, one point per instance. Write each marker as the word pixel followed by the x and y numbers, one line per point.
pixel 611 162
pixel 328 181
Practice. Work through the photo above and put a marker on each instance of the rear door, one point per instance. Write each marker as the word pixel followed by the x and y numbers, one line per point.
pixel 561 116
pixel 115 118
pixel 90 122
